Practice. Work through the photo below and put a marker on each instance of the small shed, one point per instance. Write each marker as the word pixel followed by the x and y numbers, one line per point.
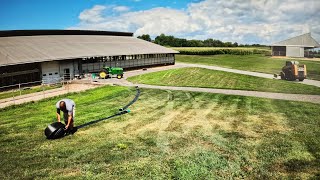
pixel 299 46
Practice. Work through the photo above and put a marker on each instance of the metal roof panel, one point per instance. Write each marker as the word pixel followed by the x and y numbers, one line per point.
pixel 26 49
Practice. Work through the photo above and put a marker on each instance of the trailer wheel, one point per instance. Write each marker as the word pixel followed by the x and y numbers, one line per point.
pixel 301 79
pixel 119 76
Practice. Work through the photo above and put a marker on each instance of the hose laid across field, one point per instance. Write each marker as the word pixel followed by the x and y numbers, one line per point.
pixel 123 110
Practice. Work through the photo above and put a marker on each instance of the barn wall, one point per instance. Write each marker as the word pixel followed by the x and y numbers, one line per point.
pixel 68 68
pixel 17 74
pixel 279 50
pixel 293 51
pixel 50 72
pixel 134 61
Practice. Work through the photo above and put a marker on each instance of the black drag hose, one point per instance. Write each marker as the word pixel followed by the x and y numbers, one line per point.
pixel 122 111
pixel 133 101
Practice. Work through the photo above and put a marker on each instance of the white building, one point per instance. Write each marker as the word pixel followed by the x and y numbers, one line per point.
pixel 35 55
pixel 299 46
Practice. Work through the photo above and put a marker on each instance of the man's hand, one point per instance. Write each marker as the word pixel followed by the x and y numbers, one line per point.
pixel 67 126
pixel 69 121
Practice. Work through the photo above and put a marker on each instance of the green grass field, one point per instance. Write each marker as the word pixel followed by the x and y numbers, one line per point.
pixel 200 77
pixel 168 135
pixel 257 63
pixel 16 92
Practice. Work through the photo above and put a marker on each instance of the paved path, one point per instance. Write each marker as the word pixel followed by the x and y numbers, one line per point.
pixel 124 82
pixel 270 95
pixel 41 95
pixel 257 74
pixel 183 65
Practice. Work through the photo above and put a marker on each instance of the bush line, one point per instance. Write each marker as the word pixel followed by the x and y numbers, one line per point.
pixel 203 51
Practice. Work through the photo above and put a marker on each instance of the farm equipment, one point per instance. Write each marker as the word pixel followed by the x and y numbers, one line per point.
pixel 107 72
pixel 293 71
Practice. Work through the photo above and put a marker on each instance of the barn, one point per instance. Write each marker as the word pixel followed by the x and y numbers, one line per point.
pixel 50 55
pixel 298 46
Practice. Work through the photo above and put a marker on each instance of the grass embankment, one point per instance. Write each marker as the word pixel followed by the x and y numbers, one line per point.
pixel 222 50
pixel 200 77
pixel 24 91
pixel 168 135
pixel 257 63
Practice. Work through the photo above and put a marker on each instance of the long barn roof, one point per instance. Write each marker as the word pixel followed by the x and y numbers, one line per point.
pixel 37 47
pixel 304 40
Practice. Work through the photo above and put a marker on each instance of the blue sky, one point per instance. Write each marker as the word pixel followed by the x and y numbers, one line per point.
pixel 257 21
pixel 61 14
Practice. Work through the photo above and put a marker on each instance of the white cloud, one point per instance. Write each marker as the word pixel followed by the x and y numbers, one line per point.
pixel 93 15
pixel 248 21
pixel 121 8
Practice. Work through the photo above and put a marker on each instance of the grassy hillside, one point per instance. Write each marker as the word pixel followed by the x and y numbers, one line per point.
pixel 16 92
pixel 168 135
pixel 200 77
pixel 257 63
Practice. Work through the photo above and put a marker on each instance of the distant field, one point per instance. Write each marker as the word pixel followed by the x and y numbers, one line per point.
pixel 200 77
pixel 257 63
pixel 168 135
pixel 223 50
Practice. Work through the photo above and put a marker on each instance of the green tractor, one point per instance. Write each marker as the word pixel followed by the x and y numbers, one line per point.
pixel 106 72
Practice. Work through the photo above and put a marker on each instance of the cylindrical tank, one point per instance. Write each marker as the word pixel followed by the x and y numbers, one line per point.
pixel 55 130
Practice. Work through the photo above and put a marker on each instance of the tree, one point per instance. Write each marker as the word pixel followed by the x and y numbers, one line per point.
pixel 235 44
pixel 208 43
pixel 217 43
pixel 161 40
pixel 179 42
pixel 228 44
pixel 145 37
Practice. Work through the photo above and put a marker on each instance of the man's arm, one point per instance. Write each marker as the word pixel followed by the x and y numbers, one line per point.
pixel 69 121
pixel 58 115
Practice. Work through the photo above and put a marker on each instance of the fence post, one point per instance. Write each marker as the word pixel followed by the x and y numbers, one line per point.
pixel 43 90
pixel 20 88
pixel 14 101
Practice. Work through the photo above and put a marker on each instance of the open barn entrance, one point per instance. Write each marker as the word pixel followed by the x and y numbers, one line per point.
pixel 19 74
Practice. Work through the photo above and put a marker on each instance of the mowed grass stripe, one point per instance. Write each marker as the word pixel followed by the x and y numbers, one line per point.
pixel 200 77
pixel 256 63
pixel 168 135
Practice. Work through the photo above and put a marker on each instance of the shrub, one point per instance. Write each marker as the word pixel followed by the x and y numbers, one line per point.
pixel 216 51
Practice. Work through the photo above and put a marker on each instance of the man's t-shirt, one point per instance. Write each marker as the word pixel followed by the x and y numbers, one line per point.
pixel 69 106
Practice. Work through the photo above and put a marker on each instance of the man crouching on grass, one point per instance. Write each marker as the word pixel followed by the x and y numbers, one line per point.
pixel 68 107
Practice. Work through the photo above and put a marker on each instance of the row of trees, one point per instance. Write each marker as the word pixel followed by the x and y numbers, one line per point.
pixel 179 42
